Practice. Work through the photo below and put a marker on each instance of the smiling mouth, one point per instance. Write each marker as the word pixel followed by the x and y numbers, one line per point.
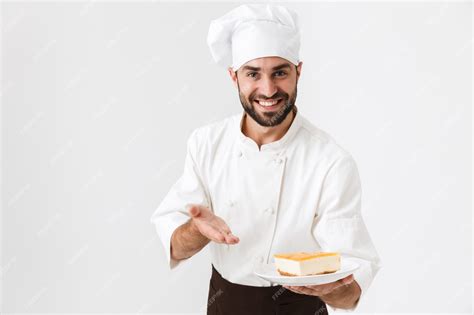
pixel 268 104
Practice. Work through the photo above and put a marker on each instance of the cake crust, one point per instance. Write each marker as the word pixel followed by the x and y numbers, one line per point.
pixel 293 275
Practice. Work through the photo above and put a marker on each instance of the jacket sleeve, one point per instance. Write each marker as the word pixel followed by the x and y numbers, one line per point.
pixel 172 211
pixel 339 225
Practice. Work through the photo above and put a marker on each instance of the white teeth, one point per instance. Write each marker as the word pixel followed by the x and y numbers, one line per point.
pixel 263 103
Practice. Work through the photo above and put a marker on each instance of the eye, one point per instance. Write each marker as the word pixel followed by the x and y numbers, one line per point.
pixel 280 73
pixel 252 74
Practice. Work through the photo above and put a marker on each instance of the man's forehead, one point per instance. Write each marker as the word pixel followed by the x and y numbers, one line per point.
pixel 266 63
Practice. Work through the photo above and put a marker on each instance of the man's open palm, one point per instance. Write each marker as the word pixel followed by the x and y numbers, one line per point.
pixel 210 225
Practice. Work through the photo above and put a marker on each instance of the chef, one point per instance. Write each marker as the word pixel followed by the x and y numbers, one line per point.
pixel 266 180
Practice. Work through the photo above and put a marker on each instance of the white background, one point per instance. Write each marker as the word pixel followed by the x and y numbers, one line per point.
pixel 99 98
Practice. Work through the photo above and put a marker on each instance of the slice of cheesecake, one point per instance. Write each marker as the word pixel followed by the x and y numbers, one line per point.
pixel 304 264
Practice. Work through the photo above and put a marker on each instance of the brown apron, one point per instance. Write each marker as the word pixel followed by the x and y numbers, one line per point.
pixel 227 298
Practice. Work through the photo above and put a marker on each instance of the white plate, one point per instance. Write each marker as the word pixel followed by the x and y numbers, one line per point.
pixel 269 272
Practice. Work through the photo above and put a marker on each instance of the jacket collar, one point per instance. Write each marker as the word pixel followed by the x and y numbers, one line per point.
pixel 249 144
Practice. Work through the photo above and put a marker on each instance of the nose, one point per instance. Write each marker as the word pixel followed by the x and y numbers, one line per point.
pixel 268 87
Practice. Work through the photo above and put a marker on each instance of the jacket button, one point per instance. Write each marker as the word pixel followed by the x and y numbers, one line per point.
pixel 239 154
pixel 279 161
pixel 269 210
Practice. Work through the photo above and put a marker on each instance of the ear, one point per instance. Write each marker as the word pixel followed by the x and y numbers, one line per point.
pixel 298 69
pixel 233 75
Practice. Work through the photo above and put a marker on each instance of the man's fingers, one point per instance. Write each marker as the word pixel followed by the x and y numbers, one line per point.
pixel 224 228
pixel 225 237
pixel 217 236
pixel 323 289
pixel 294 289
pixel 342 282
pixel 194 211
pixel 231 239
pixel 347 280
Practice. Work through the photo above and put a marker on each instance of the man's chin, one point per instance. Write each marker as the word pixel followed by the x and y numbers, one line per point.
pixel 268 118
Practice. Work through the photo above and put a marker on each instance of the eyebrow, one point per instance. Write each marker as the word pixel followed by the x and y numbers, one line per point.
pixel 279 67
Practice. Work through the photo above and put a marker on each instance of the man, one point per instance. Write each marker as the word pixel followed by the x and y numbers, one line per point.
pixel 265 181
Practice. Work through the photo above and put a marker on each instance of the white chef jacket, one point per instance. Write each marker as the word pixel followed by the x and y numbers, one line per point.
pixel 299 193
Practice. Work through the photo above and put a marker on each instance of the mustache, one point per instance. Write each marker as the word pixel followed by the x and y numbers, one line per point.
pixel 275 96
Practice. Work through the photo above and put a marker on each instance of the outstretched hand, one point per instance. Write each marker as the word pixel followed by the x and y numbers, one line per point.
pixel 210 225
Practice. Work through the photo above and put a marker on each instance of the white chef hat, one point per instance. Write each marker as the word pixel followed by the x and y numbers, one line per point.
pixel 253 31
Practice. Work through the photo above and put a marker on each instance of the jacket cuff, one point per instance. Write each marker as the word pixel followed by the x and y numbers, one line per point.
pixel 165 226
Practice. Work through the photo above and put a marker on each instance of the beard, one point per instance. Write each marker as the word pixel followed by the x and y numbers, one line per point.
pixel 269 118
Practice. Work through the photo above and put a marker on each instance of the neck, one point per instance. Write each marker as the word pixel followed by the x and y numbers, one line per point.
pixel 263 135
